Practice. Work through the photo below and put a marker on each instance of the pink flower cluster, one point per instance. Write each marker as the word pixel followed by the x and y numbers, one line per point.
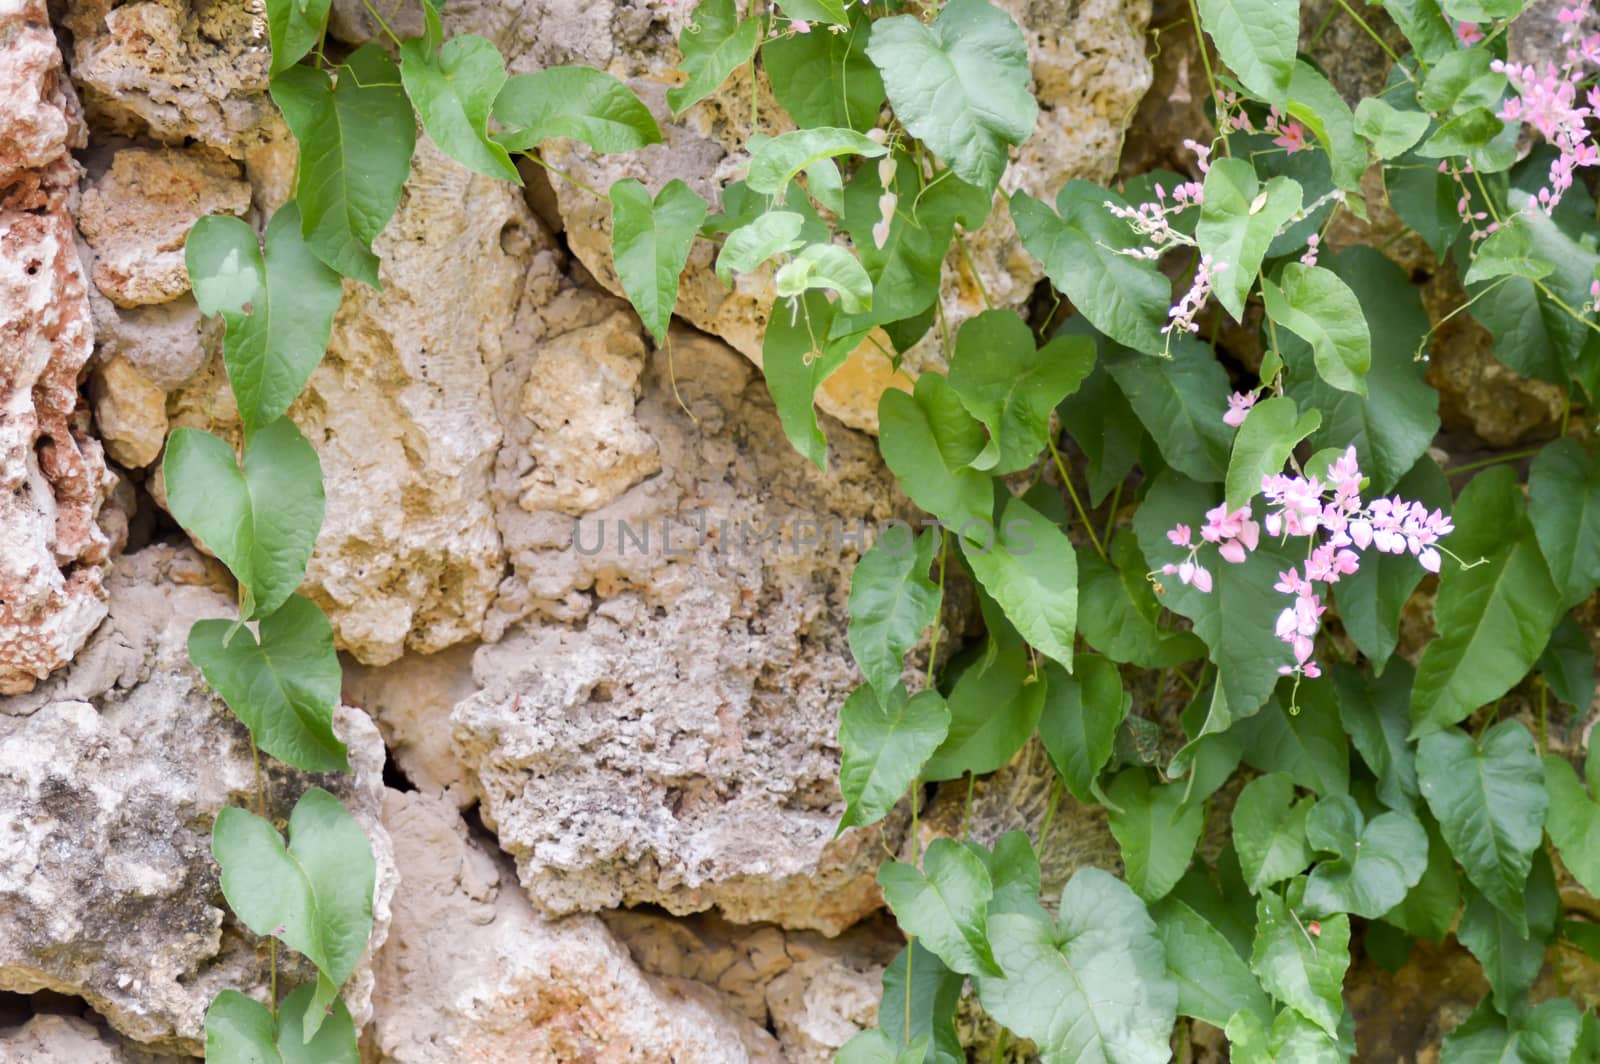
pixel 1332 514
pixel 1182 314
pixel 1152 220
pixel 1547 99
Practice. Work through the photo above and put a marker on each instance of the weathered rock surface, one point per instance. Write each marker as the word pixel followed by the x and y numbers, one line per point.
pixel 401 413
pixel 472 973
pixel 111 774
pixel 48 1039
pixel 53 478
pixel 137 215
pixel 661 728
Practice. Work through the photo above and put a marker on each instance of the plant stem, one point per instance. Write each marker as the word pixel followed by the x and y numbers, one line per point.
pixel 972 267
pixel 1111 518
pixel 1496 460
pixel 1390 52
pixel 966 812
pixel 1049 814
pixel 563 175
pixel 1211 78
pixel 933 640
pixel 1083 515
pixel 382 22
pixel 272 943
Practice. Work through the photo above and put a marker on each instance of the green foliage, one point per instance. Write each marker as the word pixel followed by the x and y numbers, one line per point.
pixel 650 243
pixel 946 909
pixel 1376 862
pixel 1269 830
pixel 1302 970
pixel 241 1030
pixel 261 519
pixel 1258 40
pixel 1213 981
pixel 1156 829
pixel 453 88
pixel 294 27
pixel 1079 719
pixel 826 79
pixel 929 442
pixel 886 739
pixel 315 894
pixel 959 85
pixel 356 137
pixel 994 708
pixel 1032 572
pixel 575 102
pixel 278 307
pixel 1315 305
pixel 1238 222
pixel 717 43
pixel 1269 434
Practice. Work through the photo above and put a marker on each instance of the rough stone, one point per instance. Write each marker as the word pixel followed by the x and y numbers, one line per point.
pixel 53 478
pixel 411 700
pixel 51 1039
pixel 111 774
pixel 472 972
pixel 137 215
pixel 162 342
pixel 130 412
pixel 401 414
pixel 175 71
pixel 661 727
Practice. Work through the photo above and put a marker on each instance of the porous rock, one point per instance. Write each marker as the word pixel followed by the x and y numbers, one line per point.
pixel 53 1039
pixel 472 972
pixel 657 722
pixel 53 478
pixel 111 774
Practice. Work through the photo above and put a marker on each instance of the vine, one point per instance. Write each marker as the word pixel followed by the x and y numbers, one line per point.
pixel 1319 510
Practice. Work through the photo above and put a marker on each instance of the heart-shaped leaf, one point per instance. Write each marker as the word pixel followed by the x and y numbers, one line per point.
pixel 241 1030
pixel 714 44
pixel 1156 829
pixel 454 86
pixel 1213 981
pixel 1315 305
pixel 294 27
pixel 1078 724
pixel 1031 570
pixel 1257 39
pixel 1238 220
pixel 1266 439
pixel 1378 861
pixel 885 742
pixel 577 102
pixel 315 894
pixel 1303 971
pixel 650 243
pixel 892 600
pixel 284 688
pixel 947 908
pixel 1269 830
pixel 929 441
pixel 261 520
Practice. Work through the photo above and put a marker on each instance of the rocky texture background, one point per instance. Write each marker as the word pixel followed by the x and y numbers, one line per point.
pixel 592 605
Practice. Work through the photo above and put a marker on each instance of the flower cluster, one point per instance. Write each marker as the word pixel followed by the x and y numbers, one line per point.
pixel 1152 220
pixel 1331 513
pixel 1547 99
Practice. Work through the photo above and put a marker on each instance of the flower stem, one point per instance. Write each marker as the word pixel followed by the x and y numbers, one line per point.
pixel 1083 515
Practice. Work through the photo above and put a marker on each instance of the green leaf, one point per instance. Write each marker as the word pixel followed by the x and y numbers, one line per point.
pixel 1156 829
pixel 830 12
pixel 1494 619
pixel 240 1030
pixel 294 27
pixel 885 741
pixel 826 79
pixel 356 141
pixel 874 1047
pixel 1078 724
pixel 1118 611
pixel 1213 981
pixel 1269 831
pixel 1291 1037
pixel 1512 956
pixel 994 709
pixel 1181 401
pixel 1573 822
pixel 1092 988
pixel 1257 39
pixel 1425 200
pixel 1547 1034
pixel 715 44
pixel 650 244
pixel 1268 436
pixel 1392 132
pixel 1316 305
pixel 315 895
pixel 1392 425
pixel 572 101
pixel 1376 713
pixel 1429 911
pixel 1372 598
pixel 1424 26
pixel 1377 862
pixel 776 161
pixel 1564 505
pixel 1508 251
pixel 1238 221
pixel 795 359
pixel 928 439
pixel 933 991
pixel 1568 664
pixel 1490 801
pixel 1104 426
pixel 946 909
pixel 453 88
pixel 1014 871
pixel 1303 971
pixel 1235 619
pixel 1307 743
pixel 1012 387
pixel 1317 105
pixel 285 688
pixel 1465 134
pixel 830 266
pixel 750 245
pixel 261 521
pixel 269 355
pixel 1125 298
pixel 892 600
pixel 1031 570
pixel 959 85
pixel 1461 80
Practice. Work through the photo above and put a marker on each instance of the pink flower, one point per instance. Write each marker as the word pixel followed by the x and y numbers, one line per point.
pixel 1179 536
pixel 1468 33
pixel 800 26
pixel 1291 137
pixel 1239 404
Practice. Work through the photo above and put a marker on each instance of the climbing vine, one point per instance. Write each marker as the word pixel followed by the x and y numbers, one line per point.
pixel 1242 542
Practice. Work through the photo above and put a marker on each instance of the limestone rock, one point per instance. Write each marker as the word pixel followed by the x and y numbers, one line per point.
pixel 130 412
pixel 111 774
pixel 53 478
pixel 471 972
pixel 401 414
pixel 137 215
pixel 411 700
pixel 661 727
pixel 174 70
pixel 50 1039
pixel 163 343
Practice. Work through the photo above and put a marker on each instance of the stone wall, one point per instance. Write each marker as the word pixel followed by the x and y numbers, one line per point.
pixel 601 783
